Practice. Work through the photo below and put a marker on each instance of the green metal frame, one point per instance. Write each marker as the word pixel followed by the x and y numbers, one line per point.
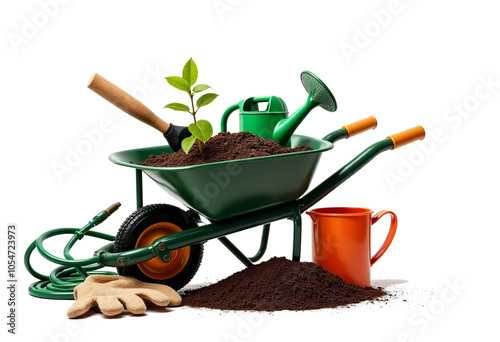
pixel 60 283
pixel 219 229
pixel 138 188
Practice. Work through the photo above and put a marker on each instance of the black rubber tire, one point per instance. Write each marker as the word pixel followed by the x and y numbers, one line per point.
pixel 141 219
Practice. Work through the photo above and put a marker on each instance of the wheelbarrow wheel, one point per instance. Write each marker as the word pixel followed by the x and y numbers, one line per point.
pixel 147 224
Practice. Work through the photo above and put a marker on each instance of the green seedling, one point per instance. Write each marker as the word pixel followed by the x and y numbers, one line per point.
pixel 201 130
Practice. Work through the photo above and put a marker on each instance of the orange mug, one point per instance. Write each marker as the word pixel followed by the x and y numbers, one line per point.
pixel 341 241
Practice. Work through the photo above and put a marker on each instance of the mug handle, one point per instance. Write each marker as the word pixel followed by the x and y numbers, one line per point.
pixel 390 236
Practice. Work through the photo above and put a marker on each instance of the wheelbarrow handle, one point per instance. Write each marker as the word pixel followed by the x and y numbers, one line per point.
pixel 352 129
pixel 360 126
pixel 406 137
pixel 390 143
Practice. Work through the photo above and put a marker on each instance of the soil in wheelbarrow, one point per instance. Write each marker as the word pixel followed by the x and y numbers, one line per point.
pixel 281 284
pixel 224 146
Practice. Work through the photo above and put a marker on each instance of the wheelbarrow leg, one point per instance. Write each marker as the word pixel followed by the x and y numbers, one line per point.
pixel 138 188
pixel 297 234
pixel 263 244
pixel 236 252
pixel 248 261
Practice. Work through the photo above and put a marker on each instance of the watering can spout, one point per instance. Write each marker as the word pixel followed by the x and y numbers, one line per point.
pixel 285 127
pixel 318 95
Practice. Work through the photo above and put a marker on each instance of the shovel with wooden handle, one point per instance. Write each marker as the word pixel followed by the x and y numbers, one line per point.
pixel 130 105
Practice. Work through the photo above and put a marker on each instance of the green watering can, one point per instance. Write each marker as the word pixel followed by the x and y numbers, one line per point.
pixel 274 123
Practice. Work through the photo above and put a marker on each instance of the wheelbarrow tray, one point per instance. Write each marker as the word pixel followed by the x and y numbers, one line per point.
pixel 230 188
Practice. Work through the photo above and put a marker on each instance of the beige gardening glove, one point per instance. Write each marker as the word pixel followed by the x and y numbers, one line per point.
pixel 110 292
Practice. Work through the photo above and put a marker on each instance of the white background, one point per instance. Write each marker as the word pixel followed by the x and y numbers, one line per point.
pixel 410 62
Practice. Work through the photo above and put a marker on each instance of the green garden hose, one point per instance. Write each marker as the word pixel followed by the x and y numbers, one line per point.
pixel 63 279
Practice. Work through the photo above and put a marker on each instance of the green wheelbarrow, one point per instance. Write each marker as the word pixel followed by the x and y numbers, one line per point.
pixel 164 244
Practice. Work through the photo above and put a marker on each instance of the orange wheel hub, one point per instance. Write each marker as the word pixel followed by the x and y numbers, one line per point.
pixel 155 268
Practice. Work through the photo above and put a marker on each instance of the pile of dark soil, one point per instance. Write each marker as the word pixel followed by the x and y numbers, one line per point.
pixel 280 284
pixel 224 146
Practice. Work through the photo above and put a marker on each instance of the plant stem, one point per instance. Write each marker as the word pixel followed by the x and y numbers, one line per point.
pixel 191 95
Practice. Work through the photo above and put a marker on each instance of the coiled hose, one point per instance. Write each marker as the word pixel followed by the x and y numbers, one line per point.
pixel 59 284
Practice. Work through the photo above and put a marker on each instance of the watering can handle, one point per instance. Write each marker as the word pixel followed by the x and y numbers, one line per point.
pixel 261 99
pixel 225 116
pixel 231 109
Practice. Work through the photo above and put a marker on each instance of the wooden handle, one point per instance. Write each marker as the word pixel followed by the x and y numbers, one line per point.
pixel 360 126
pixel 126 102
pixel 408 136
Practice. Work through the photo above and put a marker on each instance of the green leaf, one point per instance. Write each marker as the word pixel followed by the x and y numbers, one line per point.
pixel 177 106
pixel 202 130
pixel 187 143
pixel 200 87
pixel 179 83
pixel 190 72
pixel 206 99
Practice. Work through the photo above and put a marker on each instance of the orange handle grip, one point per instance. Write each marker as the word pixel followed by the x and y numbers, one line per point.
pixel 408 136
pixel 360 126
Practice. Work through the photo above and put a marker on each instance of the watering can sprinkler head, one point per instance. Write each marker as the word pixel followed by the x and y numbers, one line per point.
pixel 274 123
pixel 318 95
